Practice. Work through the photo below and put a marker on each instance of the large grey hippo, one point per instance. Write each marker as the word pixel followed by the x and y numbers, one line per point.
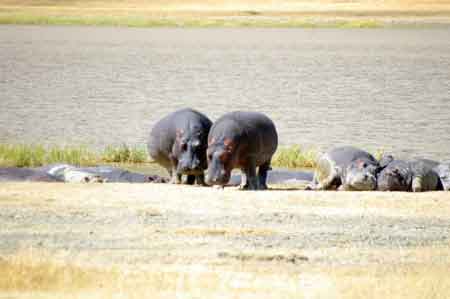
pixel 417 175
pixel 443 171
pixel 178 142
pixel 345 168
pixel 244 140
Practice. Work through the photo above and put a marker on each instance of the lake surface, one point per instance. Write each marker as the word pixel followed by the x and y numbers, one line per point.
pixel 378 89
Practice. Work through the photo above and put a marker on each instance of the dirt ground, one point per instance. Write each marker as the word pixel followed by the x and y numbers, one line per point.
pixel 184 235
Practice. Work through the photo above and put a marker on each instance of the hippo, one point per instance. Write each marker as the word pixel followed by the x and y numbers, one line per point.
pixel 345 168
pixel 70 174
pixel 244 140
pixel 117 175
pixel 97 174
pixel 417 175
pixel 443 171
pixel 178 142
pixel 16 174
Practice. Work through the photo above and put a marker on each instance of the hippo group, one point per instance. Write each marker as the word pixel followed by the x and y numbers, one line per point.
pixel 195 150
pixel 350 168
pixel 187 142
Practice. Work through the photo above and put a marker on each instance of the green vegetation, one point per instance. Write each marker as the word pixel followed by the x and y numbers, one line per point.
pixel 295 157
pixel 22 155
pixel 36 155
pixel 124 154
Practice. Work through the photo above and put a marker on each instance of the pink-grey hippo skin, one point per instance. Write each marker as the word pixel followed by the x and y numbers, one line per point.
pixel 443 171
pixel 244 140
pixel 418 175
pixel 345 168
pixel 178 142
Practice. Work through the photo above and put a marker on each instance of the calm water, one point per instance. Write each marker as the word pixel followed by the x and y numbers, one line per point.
pixel 96 86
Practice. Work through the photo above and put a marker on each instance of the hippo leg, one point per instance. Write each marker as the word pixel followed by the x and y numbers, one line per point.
pixel 175 178
pixel 200 180
pixel 243 184
pixel 251 178
pixel 262 175
pixel 190 179
pixel 329 183
pixel 417 184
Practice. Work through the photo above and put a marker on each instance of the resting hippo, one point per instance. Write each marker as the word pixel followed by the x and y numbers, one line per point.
pixel 117 175
pixel 417 176
pixel 15 174
pixel 345 168
pixel 443 171
pixel 243 140
pixel 178 142
pixel 101 174
pixel 70 174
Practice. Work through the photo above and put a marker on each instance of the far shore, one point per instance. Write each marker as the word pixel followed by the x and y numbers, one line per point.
pixel 249 13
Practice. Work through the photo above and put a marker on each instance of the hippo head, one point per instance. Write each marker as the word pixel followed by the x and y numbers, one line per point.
pixel 360 175
pixel 396 176
pixel 443 171
pixel 220 157
pixel 189 149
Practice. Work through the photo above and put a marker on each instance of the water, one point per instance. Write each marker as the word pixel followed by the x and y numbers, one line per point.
pixel 378 89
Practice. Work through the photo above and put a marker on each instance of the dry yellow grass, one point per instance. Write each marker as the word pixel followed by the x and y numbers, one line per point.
pixel 200 263
pixel 286 13
pixel 29 274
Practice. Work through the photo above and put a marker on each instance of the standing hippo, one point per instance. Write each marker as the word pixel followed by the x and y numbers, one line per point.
pixel 417 175
pixel 345 168
pixel 244 140
pixel 178 142
pixel 443 171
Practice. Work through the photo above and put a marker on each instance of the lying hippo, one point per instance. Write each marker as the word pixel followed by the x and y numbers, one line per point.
pixel 15 174
pixel 244 140
pixel 417 175
pixel 443 171
pixel 345 168
pixel 178 142
pixel 100 174
pixel 70 174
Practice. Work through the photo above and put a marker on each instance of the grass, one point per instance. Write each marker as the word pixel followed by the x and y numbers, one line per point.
pixel 295 157
pixel 139 21
pixel 41 275
pixel 22 155
pixel 220 13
